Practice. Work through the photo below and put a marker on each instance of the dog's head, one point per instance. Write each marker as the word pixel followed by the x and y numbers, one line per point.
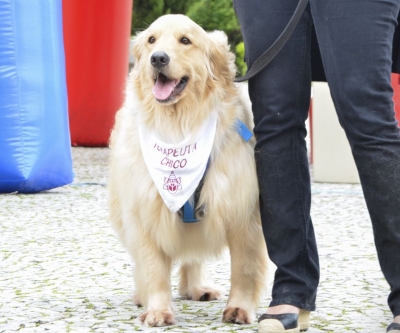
pixel 176 61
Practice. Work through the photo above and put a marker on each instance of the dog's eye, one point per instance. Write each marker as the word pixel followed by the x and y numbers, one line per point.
pixel 185 41
pixel 152 40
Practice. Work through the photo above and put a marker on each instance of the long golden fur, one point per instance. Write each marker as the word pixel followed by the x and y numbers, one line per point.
pixel 154 236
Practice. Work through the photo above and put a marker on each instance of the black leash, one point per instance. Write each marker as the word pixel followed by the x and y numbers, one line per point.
pixel 273 50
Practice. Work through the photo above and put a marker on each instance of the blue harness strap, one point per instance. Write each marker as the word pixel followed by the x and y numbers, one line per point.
pixel 188 209
pixel 242 129
pixel 188 213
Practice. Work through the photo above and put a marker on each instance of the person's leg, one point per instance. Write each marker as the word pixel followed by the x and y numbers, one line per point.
pixel 280 96
pixel 355 40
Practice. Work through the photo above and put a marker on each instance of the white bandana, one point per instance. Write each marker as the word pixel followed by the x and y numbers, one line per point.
pixel 177 169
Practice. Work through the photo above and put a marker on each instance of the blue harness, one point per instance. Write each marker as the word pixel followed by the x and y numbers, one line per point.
pixel 187 211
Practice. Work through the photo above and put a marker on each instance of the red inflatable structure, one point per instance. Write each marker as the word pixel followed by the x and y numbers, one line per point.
pixel 96 38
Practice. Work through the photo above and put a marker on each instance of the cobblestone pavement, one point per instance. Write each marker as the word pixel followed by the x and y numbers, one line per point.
pixel 63 270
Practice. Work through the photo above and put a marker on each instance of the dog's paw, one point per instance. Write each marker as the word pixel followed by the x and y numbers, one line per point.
pixel 237 316
pixel 154 318
pixel 205 294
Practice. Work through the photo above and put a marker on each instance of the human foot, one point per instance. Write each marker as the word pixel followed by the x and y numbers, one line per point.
pixel 284 318
pixel 284 308
pixel 394 327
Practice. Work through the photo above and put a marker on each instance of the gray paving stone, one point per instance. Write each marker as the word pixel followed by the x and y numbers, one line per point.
pixel 63 270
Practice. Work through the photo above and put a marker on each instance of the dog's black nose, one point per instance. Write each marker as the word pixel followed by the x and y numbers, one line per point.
pixel 159 59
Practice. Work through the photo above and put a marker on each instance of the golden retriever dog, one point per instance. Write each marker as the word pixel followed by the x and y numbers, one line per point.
pixel 182 79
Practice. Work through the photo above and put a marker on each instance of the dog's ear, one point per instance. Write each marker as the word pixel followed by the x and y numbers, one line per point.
pixel 138 47
pixel 220 59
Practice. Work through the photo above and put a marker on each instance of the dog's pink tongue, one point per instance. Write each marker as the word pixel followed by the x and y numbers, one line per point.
pixel 163 88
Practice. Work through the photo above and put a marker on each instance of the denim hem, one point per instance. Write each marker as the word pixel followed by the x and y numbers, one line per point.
pixel 295 302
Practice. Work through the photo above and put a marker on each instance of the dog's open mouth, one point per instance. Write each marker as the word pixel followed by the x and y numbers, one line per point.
pixel 165 89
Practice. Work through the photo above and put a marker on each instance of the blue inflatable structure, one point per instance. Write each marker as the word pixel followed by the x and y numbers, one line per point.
pixel 35 150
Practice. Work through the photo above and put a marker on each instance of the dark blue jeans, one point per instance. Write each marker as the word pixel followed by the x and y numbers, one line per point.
pixel 355 39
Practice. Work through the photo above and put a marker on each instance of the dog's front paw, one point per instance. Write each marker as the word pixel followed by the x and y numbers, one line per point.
pixel 154 318
pixel 237 316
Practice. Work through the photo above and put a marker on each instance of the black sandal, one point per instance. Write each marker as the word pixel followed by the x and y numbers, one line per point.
pixel 394 328
pixel 273 323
